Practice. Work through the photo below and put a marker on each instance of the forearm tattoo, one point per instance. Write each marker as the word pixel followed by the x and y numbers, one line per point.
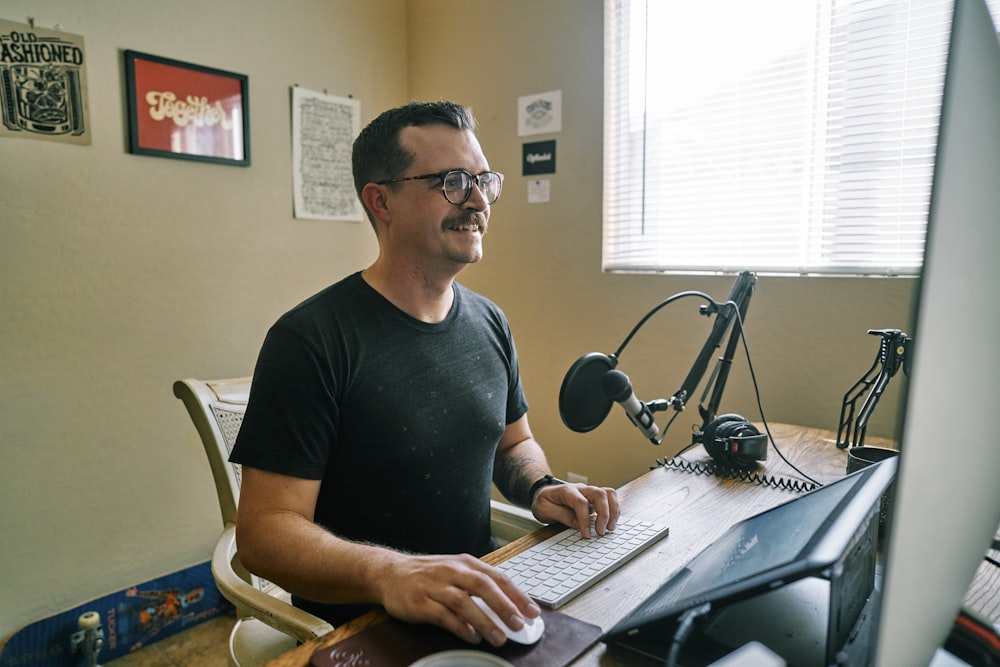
pixel 514 477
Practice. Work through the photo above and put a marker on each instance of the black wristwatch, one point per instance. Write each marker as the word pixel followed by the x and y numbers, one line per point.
pixel 548 480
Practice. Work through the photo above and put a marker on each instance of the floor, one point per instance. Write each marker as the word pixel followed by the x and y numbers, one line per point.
pixel 204 645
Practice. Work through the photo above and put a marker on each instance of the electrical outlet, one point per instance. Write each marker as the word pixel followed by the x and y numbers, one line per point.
pixel 576 478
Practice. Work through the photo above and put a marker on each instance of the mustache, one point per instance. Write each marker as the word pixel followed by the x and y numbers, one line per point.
pixel 476 218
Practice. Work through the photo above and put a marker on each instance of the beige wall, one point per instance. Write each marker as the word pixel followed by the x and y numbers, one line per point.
pixel 122 273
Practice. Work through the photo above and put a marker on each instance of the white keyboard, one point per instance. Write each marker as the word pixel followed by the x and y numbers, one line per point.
pixel 555 571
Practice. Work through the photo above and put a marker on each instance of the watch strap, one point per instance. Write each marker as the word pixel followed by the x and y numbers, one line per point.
pixel 547 480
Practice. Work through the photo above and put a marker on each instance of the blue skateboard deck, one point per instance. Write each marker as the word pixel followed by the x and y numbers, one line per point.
pixel 129 620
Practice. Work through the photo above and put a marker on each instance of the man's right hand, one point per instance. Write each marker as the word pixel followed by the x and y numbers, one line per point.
pixel 439 590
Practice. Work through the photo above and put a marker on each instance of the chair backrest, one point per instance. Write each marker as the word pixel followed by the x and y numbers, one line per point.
pixel 216 408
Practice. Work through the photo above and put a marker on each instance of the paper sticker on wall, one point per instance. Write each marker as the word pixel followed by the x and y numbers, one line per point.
pixel 539 113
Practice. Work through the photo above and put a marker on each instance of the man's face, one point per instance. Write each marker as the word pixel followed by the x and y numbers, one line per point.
pixel 426 226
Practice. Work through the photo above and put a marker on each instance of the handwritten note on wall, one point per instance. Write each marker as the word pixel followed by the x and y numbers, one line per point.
pixel 323 130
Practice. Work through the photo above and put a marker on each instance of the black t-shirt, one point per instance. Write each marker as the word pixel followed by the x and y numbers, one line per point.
pixel 399 418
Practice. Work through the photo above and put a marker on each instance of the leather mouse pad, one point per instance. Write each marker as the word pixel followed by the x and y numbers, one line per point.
pixel 393 643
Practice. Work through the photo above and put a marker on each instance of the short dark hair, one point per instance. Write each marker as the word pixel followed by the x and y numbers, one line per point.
pixel 378 154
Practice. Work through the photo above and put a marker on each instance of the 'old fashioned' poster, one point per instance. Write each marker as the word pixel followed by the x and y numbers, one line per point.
pixel 43 84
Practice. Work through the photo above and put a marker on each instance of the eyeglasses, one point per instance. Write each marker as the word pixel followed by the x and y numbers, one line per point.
pixel 456 184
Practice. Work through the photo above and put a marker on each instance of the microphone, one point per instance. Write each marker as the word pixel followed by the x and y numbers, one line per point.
pixel 582 404
pixel 618 388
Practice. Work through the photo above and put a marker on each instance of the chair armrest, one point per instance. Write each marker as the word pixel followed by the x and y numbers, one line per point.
pixel 268 609
pixel 509 522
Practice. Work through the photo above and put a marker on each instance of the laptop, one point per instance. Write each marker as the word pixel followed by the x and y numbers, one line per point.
pixel 829 534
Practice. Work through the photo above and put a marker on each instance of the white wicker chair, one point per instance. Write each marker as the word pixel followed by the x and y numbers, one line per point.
pixel 267 624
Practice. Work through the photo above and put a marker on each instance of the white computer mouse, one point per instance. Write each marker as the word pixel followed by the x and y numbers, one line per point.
pixel 529 634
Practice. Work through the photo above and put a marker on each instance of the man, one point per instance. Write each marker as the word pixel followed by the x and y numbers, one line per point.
pixel 383 408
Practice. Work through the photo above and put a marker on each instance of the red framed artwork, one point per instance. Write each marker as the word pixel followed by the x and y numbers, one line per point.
pixel 188 112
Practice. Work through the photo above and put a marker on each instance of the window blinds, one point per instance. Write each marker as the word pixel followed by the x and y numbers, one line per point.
pixel 779 136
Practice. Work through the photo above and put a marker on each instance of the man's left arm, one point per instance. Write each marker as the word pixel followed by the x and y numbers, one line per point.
pixel 521 463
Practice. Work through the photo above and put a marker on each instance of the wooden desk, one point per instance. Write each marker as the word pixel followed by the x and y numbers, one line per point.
pixel 698 509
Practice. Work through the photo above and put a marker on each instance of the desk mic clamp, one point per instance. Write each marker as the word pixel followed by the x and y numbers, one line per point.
pixel 893 354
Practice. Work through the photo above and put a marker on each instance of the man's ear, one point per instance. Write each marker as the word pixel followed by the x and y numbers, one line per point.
pixel 376 201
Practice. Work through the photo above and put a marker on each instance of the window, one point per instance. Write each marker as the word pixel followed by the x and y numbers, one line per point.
pixel 780 136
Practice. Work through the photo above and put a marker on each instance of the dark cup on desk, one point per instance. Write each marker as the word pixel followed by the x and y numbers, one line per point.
pixel 864 456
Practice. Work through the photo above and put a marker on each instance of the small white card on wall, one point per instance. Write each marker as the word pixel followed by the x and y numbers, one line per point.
pixel 538 191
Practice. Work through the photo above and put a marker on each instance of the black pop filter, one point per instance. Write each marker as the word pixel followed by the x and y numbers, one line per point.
pixel 583 405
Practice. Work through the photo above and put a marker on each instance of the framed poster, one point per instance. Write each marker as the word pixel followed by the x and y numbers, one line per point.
pixel 184 111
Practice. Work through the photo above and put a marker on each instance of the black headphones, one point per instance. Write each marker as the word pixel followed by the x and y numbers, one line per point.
pixel 734 442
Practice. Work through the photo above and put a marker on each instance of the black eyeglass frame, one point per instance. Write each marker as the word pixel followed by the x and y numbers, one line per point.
pixel 473 180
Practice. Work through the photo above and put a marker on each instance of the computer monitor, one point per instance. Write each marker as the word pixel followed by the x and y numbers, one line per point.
pixel 947 504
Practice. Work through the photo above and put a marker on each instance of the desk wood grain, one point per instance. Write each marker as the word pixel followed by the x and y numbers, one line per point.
pixel 698 509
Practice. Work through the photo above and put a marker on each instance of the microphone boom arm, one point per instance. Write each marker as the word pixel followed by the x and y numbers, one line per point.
pixel 738 300
pixel 582 408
